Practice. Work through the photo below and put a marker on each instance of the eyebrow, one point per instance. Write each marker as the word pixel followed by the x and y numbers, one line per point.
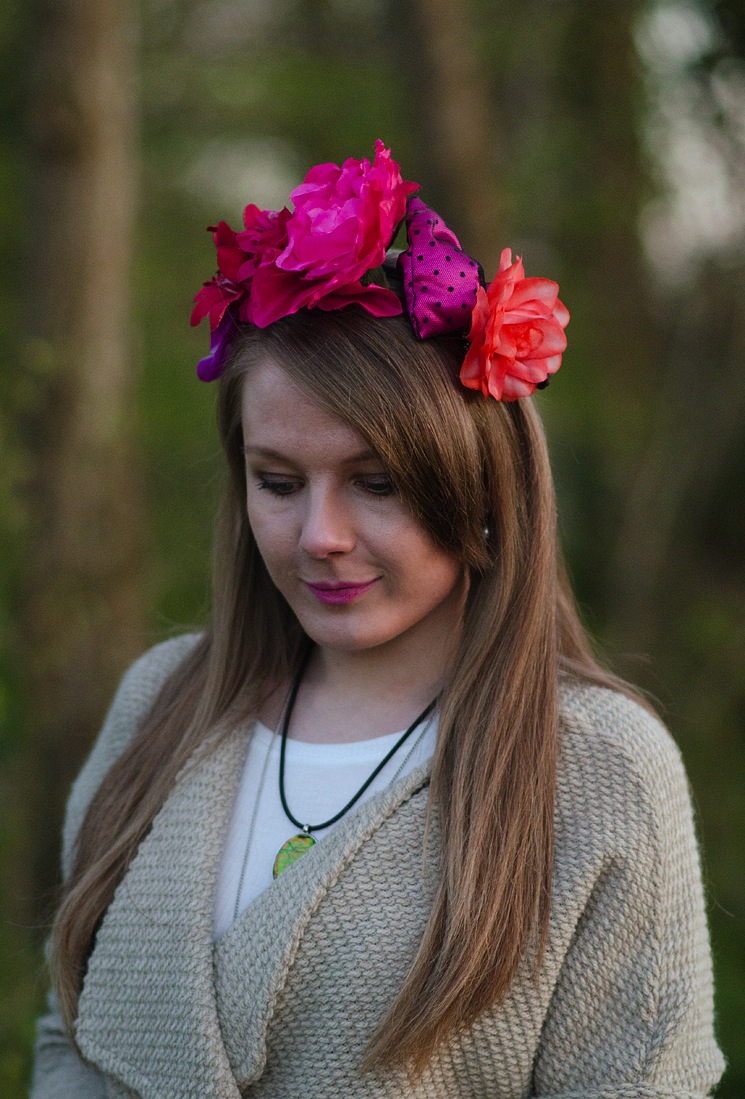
pixel 276 455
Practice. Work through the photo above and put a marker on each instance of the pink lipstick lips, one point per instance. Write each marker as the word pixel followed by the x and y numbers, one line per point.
pixel 339 593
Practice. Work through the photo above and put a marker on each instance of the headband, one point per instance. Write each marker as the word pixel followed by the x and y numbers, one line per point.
pixel 343 221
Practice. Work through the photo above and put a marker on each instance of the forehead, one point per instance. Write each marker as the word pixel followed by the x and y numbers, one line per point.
pixel 278 416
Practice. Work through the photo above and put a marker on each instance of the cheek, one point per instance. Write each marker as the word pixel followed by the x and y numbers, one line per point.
pixel 430 574
pixel 446 578
pixel 273 536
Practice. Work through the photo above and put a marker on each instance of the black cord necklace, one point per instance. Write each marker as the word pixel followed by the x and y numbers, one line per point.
pixel 297 845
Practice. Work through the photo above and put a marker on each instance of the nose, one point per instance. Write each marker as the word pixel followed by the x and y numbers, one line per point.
pixel 327 525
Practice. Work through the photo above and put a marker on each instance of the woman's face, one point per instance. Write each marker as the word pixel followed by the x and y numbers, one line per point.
pixel 342 547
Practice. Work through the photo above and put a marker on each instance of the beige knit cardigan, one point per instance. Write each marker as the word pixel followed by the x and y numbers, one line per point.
pixel 283 1006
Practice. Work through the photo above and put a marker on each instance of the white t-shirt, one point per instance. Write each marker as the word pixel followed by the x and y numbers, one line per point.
pixel 319 781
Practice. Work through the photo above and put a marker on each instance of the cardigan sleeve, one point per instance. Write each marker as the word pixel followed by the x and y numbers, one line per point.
pixel 631 1016
pixel 59 1072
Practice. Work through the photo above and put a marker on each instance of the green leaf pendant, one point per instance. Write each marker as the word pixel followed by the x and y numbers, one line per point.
pixel 291 851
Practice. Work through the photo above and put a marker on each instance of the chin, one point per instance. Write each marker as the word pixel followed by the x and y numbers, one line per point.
pixel 347 635
pixel 349 641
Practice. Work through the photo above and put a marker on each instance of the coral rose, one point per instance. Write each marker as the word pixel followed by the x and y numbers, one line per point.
pixel 517 334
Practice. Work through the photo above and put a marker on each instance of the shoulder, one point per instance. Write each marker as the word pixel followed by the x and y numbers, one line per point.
pixel 607 731
pixel 136 693
pixel 621 776
pixel 143 679
pixel 134 697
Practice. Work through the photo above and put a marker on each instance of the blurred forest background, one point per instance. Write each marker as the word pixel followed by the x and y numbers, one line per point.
pixel 605 142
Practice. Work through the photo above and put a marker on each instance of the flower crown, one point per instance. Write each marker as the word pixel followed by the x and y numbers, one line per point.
pixel 344 220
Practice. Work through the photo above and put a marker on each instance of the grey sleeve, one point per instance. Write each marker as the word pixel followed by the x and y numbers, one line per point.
pixel 632 1012
pixel 59 1071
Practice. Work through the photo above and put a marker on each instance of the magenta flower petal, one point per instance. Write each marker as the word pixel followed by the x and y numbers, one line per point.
pixel 275 294
pixel 344 220
pixel 212 300
pixel 375 300
pixel 211 366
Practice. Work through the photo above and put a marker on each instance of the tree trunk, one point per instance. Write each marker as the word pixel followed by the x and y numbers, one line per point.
pixel 457 129
pixel 613 361
pixel 82 604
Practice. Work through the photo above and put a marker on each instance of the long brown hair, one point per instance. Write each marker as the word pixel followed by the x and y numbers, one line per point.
pixel 476 475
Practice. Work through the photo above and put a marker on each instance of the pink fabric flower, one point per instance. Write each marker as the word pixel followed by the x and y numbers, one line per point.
pixel 344 220
pixel 238 258
pixel 517 334
pixel 217 294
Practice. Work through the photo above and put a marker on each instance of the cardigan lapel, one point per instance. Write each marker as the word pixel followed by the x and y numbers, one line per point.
pixel 255 955
pixel 163 1010
pixel 147 1010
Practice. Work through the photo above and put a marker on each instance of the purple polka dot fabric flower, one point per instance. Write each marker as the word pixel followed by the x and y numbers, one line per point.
pixel 440 280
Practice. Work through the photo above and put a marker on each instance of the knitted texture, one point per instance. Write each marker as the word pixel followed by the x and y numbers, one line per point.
pixel 284 1004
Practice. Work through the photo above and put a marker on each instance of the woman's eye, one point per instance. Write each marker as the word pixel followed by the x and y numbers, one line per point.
pixel 378 486
pixel 277 486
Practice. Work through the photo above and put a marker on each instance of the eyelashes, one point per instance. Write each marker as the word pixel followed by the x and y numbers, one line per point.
pixel 380 486
pixel 277 488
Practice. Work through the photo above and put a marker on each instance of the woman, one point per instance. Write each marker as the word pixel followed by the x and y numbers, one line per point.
pixel 463 864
